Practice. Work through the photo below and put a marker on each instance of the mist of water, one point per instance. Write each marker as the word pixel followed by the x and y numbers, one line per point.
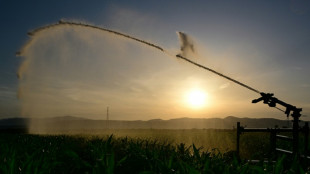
pixel 54 77
pixel 73 70
pixel 186 46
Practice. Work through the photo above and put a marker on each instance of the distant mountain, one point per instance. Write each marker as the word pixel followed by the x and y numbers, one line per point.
pixel 76 123
pixel 68 117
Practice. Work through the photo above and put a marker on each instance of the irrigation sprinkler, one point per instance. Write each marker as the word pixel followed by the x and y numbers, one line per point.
pixel 268 98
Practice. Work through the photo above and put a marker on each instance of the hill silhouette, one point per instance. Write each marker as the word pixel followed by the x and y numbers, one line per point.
pixel 74 123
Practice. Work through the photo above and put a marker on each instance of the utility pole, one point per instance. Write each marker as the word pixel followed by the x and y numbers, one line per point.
pixel 108 117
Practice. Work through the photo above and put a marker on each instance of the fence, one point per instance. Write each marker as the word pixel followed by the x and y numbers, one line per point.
pixel 274 136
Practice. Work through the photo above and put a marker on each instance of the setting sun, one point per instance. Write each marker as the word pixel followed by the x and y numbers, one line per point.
pixel 196 98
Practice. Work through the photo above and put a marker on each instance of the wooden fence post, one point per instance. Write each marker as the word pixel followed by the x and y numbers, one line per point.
pixel 295 135
pixel 306 133
pixel 273 142
pixel 238 138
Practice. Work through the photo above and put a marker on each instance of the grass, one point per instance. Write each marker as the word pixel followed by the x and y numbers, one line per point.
pixel 26 153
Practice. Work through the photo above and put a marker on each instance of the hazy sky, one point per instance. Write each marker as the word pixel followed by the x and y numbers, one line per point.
pixel 79 71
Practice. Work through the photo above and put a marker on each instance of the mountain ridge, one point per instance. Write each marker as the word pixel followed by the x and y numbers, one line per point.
pixel 72 122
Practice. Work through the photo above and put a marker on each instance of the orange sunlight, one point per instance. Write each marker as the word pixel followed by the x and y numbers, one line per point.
pixel 196 98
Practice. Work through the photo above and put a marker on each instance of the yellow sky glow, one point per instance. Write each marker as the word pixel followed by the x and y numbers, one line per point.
pixel 197 98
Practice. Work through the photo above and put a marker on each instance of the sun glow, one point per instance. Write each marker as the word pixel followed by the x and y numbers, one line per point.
pixel 196 98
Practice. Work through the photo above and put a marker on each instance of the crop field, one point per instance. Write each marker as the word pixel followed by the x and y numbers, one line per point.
pixel 141 151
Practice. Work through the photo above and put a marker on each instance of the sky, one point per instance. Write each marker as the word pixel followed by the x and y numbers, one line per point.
pixel 78 71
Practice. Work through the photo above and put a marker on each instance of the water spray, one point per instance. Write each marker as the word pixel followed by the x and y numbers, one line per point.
pixel 267 98
pixel 61 23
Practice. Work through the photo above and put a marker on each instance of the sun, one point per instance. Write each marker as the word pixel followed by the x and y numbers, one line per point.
pixel 196 98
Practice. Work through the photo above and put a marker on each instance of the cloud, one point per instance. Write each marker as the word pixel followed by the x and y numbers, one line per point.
pixel 305 85
pixel 7 93
pixel 134 22
pixel 225 85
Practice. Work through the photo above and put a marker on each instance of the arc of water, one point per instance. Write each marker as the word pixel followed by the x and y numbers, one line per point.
pixel 61 23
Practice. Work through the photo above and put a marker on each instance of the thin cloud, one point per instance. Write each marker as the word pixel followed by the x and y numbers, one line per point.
pixel 226 85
